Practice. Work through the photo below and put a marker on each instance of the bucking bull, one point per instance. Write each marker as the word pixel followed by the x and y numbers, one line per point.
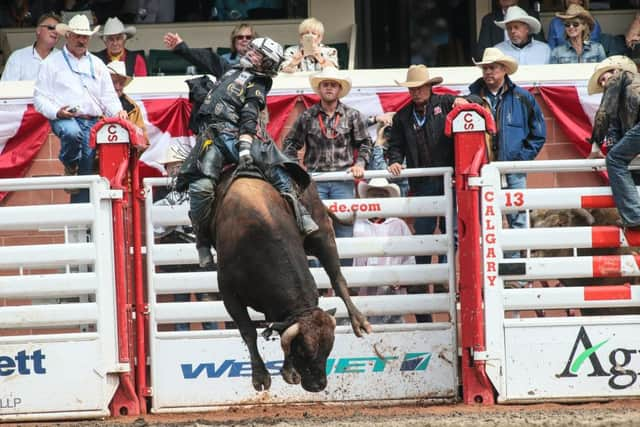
pixel 585 218
pixel 262 264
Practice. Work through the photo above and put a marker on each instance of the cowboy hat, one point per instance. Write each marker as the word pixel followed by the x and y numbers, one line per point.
pixel 381 183
pixel 577 11
pixel 494 55
pixel 79 24
pixel 332 74
pixel 114 26
pixel 119 68
pixel 516 13
pixel 418 75
pixel 172 155
pixel 615 62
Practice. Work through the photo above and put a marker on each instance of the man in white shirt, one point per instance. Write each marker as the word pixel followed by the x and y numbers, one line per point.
pixel 521 29
pixel 73 90
pixel 23 64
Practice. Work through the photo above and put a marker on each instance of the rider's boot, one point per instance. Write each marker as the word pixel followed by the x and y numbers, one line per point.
pixel 201 195
pixel 305 222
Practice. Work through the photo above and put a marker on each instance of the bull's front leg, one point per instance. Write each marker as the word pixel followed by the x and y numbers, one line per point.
pixel 289 373
pixel 324 247
pixel 259 375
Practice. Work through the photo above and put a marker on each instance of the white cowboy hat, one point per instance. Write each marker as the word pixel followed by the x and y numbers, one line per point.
pixel 615 62
pixel 494 55
pixel 516 13
pixel 79 24
pixel 332 74
pixel 172 155
pixel 119 69
pixel 114 26
pixel 381 183
pixel 418 75
pixel 577 11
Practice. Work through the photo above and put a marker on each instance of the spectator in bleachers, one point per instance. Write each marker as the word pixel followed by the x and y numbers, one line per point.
pixel 115 36
pixel 520 124
pixel 521 45
pixel 556 36
pixel 381 227
pixel 490 34
pixel 310 54
pixel 578 24
pixel 73 90
pixel 205 59
pixel 632 37
pixel 121 79
pixel 616 125
pixel 23 64
pixel 241 36
pixel 331 133
pixel 156 11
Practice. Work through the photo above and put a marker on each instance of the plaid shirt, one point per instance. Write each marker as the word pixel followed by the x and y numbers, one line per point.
pixel 326 153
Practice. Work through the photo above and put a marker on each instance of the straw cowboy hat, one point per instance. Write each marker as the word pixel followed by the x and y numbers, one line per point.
pixel 516 13
pixel 79 24
pixel 418 75
pixel 172 155
pixel 331 74
pixel 494 55
pixel 119 69
pixel 381 183
pixel 114 26
pixel 616 62
pixel 577 11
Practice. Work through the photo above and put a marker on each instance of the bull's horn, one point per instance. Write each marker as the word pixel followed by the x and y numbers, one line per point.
pixel 288 336
pixel 332 311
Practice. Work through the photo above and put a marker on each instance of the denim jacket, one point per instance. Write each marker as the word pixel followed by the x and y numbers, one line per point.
pixel 566 54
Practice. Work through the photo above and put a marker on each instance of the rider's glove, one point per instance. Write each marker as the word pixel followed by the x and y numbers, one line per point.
pixel 244 151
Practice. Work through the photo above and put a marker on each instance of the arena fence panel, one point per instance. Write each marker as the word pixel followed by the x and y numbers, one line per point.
pixel 557 343
pixel 199 361
pixel 58 338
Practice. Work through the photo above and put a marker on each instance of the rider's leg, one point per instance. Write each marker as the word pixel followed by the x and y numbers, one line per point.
pixel 281 180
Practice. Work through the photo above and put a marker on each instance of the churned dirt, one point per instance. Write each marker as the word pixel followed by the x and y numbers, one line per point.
pixel 613 413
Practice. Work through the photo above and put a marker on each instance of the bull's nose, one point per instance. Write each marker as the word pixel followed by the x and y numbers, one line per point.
pixel 314 387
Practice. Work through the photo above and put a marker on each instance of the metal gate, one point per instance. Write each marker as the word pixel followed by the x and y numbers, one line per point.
pixel 199 368
pixel 556 357
pixel 58 339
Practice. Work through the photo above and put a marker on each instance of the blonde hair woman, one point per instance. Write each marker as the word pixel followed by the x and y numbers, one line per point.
pixel 310 54
pixel 556 26
pixel 577 46
pixel 241 36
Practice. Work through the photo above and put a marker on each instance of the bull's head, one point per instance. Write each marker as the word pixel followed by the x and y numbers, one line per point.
pixel 307 344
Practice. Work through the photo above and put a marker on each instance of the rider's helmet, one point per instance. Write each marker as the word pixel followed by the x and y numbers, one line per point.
pixel 272 54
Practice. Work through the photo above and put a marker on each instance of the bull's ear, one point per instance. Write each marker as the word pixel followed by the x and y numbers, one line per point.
pixel 331 312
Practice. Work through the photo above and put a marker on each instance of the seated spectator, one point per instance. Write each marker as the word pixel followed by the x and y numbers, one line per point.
pixel 156 11
pixel 490 34
pixel 556 26
pixel 521 28
pixel 241 36
pixel 310 54
pixel 23 64
pixel 203 58
pixel 381 227
pixel 578 24
pixel 179 234
pixel 235 10
pixel 120 80
pixel 115 36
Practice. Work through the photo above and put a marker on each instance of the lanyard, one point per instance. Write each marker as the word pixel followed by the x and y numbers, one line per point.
pixel 323 129
pixel 419 121
pixel 92 75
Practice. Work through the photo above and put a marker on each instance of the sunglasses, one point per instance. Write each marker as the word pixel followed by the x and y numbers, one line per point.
pixel 571 24
pixel 244 37
pixel 48 27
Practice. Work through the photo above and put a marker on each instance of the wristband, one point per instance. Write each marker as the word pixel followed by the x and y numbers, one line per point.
pixel 245 153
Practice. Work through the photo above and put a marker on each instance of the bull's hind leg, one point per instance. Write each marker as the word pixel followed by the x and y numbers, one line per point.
pixel 259 374
pixel 324 248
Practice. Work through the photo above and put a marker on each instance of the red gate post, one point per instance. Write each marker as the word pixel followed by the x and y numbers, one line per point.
pixel 468 123
pixel 114 139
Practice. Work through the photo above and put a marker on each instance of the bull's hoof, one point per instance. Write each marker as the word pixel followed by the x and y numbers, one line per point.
pixel 290 376
pixel 262 382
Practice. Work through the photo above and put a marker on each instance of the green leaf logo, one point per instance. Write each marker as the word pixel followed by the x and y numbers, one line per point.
pixel 577 363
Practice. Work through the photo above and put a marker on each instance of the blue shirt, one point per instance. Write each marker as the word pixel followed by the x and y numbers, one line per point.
pixel 566 54
pixel 533 53
pixel 556 35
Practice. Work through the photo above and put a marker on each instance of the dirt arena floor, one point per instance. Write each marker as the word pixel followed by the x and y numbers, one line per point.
pixel 613 413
